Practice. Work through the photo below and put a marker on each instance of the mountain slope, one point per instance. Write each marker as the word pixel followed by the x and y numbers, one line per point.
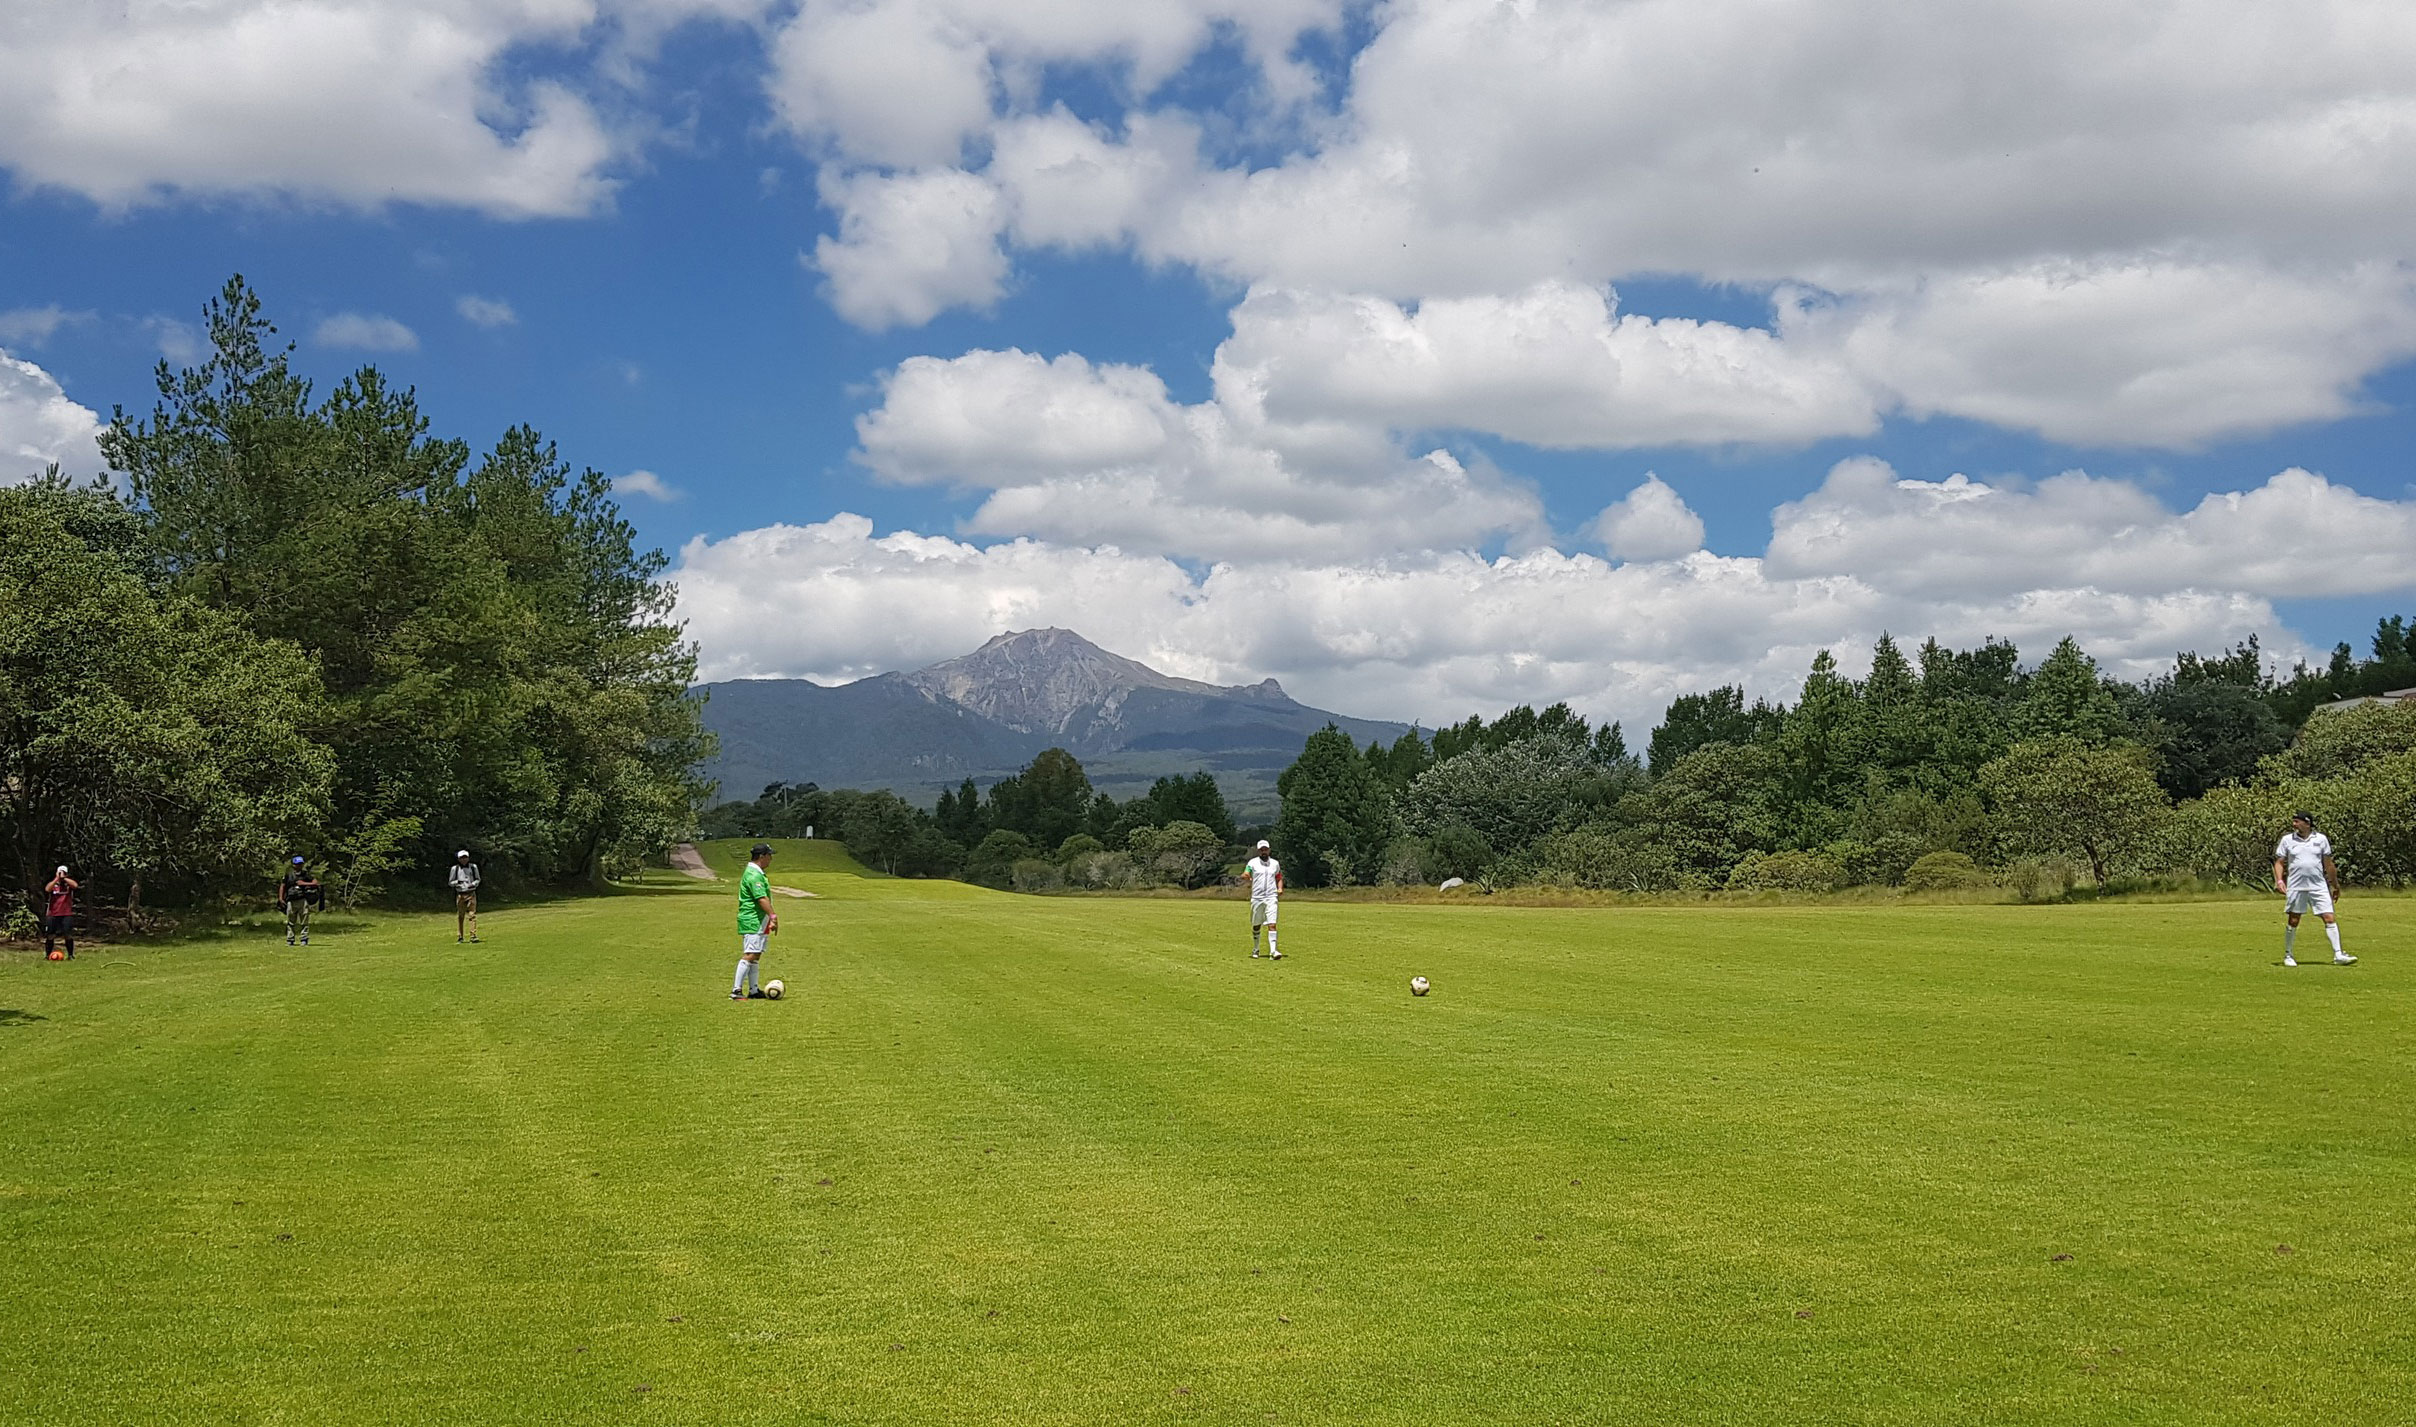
pixel 985 714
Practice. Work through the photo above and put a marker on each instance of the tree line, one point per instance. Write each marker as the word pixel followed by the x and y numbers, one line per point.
pixel 294 624
pixel 1947 767
pixel 1040 829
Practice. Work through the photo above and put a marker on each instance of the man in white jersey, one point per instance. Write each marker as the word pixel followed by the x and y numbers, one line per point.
pixel 2304 873
pixel 1266 884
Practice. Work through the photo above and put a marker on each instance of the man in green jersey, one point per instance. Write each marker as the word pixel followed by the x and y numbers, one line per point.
pixel 756 921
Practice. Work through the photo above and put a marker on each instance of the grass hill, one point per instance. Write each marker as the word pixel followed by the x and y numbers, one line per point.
pixel 1012 1160
pixel 985 715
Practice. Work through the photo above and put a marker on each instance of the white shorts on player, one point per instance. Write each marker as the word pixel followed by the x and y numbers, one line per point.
pixel 2303 872
pixel 1266 886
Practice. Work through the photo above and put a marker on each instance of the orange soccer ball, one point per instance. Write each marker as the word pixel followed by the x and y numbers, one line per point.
pixel 58 956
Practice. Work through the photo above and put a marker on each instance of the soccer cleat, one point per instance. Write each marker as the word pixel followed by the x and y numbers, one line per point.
pixel 738 995
pixel 289 941
pixel 2288 959
pixel 2342 958
pixel 1274 956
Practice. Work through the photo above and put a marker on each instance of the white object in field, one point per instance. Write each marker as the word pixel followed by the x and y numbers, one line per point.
pixel 773 990
pixel 1418 986
pixel 809 832
pixel 1451 882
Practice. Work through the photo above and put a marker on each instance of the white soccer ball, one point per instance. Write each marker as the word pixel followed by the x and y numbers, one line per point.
pixel 772 990
pixel 1417 986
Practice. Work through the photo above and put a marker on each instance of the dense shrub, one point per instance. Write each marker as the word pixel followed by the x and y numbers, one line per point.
pixel 1786 872
pixel 1103 872
pixel 2042 879
pixel 1943 872
pixel 1036 874
pixel 992 864
pixel 1599 859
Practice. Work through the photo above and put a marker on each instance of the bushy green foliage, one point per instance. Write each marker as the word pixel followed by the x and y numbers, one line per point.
pixel 1458 850
pixel 1786 872
pixel 145 738
pixel 1048 802
pixel 1080 845
pixel 496 664
pixel 1508 796
pixel 1184 853
pixel 1943 872
pixel 2041 879
pixel 992 862
pixel 1337 817
pixel 1601 859
pixel 1035 874
pixel 1709 810
pixel 2061 794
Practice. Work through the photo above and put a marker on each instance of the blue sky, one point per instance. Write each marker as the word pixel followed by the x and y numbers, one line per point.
pixel 1306 338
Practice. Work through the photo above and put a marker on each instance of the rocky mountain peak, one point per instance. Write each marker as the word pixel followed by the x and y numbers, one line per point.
pixel 1039 680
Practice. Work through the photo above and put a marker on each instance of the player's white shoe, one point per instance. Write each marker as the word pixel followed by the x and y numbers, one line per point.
pixel 2342 958
pixel 2288 959
pixel 1274 956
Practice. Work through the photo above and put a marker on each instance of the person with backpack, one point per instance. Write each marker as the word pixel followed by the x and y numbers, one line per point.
pixel 296 895
pixel 462 877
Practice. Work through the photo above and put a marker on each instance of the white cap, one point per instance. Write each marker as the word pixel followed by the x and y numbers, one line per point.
pixel 1262 842
pixel 463 853
pixel 62 869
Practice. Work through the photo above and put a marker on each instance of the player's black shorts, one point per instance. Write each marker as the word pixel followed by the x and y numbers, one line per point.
pixel 59 926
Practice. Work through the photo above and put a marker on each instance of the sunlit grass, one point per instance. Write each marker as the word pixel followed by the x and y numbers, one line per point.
pixel 1036 1160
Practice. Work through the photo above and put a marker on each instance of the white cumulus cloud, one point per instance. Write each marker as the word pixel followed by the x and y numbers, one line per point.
pixel 1101 454
pixel 1651 522
pixel 488 312
pixel 910 246
pixel 359 102
pixel 2149 224
pixel 647 484
pixel 366 332
pixel 40 426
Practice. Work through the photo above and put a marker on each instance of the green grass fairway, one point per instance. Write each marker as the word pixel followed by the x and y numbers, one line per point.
pixel 1014 1160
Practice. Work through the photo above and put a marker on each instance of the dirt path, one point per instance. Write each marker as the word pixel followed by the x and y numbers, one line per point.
pixel 686 858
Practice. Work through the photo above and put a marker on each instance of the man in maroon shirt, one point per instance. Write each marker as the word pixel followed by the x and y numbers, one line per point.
pixel 59 918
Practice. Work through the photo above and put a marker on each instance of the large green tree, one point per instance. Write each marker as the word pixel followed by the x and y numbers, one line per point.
pixel 145 739
pixel 1337 816
pixel 499 661
pixel 2064 794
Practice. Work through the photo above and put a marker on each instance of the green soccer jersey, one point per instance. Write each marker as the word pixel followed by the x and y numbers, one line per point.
pixel 754 889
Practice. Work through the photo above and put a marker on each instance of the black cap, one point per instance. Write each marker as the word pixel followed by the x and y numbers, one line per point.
pixel 761 849
pixel 2307 818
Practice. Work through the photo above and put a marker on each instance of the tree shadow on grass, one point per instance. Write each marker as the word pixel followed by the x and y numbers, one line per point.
pixel 18 1018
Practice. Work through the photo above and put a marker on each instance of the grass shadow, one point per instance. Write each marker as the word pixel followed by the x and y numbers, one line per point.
pixel 18 1018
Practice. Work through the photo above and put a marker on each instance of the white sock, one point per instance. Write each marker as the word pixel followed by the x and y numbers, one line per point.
pixel 739 982
pixel 2332 930
pixel 2290 936
pixel 1270 941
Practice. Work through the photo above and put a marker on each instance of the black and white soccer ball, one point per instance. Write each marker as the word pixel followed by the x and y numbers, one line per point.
pixel 1418 986
pixel 773 990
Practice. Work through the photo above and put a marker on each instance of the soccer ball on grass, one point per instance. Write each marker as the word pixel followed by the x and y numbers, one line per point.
pixel 1418 986
pixel 773 990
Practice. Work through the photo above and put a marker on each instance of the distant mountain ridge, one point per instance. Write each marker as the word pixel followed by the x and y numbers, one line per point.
pixel 985 714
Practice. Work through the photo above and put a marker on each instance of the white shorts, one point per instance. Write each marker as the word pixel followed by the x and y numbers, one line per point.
pixel 751 943
pixel 1262 913
pixel 2310 899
